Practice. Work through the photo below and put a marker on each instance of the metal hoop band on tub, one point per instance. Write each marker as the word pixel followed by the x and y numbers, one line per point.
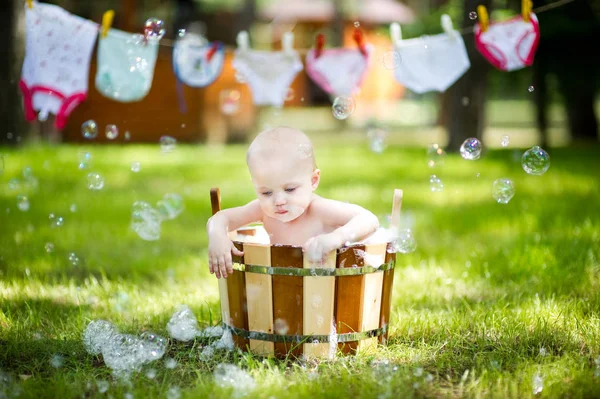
pixel 312 272
pixel 341 338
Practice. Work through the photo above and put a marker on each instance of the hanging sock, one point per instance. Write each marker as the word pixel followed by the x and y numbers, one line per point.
pixel 58 50
pixel 508 45
pixel 430 63
pixel 268 73
pixel 339 71
pixel 125 65
pixel 197 65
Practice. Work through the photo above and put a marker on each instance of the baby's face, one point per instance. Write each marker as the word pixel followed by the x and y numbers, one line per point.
pixel 284 186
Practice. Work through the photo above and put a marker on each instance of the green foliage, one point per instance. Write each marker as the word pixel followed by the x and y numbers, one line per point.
pixel 494 296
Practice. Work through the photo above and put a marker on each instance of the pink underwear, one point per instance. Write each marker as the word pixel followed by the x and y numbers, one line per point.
pixel 338 71
pixel 58 50
pixel 511 44
pixel 68 103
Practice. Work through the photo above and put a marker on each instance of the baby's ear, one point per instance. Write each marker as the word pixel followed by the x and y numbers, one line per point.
pixel 315 179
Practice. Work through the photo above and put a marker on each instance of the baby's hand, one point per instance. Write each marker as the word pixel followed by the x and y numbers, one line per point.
pixel 317 248
pixel 219 255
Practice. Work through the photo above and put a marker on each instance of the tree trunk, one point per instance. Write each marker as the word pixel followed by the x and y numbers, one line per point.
pixel 11 115
pixel 466 103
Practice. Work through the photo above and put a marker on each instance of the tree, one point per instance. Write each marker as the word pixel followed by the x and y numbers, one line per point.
pixel 11 115
pixel 464 114
pixel 564 52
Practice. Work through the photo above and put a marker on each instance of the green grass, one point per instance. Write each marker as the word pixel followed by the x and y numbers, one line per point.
pixel 494 295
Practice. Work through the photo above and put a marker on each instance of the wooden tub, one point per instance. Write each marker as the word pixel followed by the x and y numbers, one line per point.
pixel 277 303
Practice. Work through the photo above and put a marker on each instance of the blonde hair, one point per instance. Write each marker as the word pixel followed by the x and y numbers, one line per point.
pixel 282 138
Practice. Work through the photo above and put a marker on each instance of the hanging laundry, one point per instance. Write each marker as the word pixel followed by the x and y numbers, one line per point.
pixel 58 49
pixel 508 45
pixel 430 63
pixel 197 63
pixel 126 64
pixel 339 71
pixel 268 73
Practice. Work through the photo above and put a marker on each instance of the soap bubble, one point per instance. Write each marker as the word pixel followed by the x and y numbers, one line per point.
pixel 151 373
pixel 231 376
pixel 435 184
pixel 173 393
pixel 503 190
pixel 102 386
pixel 85 159
pixel 356 24
pixel 470 149
pixel 343 107
pixel 167 144
pixel 170 206
pixel 57 361
pixel 377 140
pixel 531 89
pixel 14 184
pixel 538 384
pixel 535 161
pixel 73 259
pixel 290 94
pixel 281 327
pixel 472 15
pixel 170 363
pixel 505 141
pixel 27 172
pixel 435 155
pixel 89 129
pixel 405 242
pixel 49 247
pixel 23 203
pixel 95 181
pixel 181 33
pixel 240 78
pixel 98 334
pixel 56 221
pixel 154 29
pixel 145 221
pixel 73 208
pixel 391 59
pixel 183 325
pixel 127 135
pixel 136 167
pixel 111 131
pixel 229 101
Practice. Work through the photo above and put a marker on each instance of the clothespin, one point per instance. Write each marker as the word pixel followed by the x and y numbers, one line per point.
pixel 447 25
pixel 242 40
pixel 107 20
pixel 395 32
pixel 359 39
pixel 483 17
pixel 319 44
pixel 213 49
pixel 30 4
pixel 526 6
pixel 287 42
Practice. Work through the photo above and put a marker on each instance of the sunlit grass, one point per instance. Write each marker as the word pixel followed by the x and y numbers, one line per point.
pixel 495 297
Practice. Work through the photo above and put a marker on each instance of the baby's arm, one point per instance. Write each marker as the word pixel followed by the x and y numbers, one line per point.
pixel 353 224
pixel 220 246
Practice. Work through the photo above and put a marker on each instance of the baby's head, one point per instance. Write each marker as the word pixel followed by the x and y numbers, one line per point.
pixel 282 165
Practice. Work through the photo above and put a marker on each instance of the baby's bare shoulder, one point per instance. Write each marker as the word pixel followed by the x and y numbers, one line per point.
pixel 326 207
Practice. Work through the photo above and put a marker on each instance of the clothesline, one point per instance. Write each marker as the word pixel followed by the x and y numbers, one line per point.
pixel 464 31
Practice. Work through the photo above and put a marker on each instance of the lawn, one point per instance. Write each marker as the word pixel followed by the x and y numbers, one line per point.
pixel 497 300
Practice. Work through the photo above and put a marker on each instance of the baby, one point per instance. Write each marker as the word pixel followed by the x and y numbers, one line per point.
pixel 284 173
